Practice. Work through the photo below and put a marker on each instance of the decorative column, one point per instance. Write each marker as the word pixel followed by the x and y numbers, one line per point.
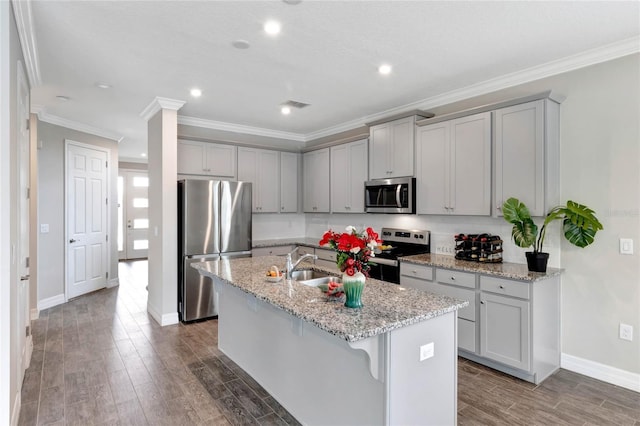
pixel 162 118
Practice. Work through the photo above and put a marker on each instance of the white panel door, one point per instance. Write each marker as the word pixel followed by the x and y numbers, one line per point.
pixel 24 344
pixel 137 215
pixel 87 203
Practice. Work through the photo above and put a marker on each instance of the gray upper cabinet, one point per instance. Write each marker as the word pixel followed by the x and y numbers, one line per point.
pixel 207 159
pixel 289 179
pixel 262 168
pixel 315 166
pixel 526 155
pixel 391 148
pixel 348 174
pixel 453 172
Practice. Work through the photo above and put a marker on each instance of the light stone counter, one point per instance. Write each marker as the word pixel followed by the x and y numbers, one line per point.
pixel 514 271
pixel 386 306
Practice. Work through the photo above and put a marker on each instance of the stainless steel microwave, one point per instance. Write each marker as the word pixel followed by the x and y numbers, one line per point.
pixel 396 195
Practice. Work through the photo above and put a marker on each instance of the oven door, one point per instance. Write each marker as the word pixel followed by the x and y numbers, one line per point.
pixel 390 195
pixel 385 270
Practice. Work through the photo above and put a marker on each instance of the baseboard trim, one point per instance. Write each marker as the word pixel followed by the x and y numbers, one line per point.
pixel 113 282
pixel 606 373
pixel 166 319
pixel 50 302
pixel 34 314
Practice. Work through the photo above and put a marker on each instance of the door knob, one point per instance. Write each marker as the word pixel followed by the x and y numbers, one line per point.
pixel 72 240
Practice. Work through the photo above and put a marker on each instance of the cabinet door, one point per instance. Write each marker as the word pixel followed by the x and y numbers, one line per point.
pixel 269 181
pixel 379 137
pixel 316 181
pixel 402 147
pixel 504 330
pixel 220 160
pixel 191 158
pixel 358 173
pixel 519 156
pixel 289 178
pixel 340 185
pixel 470 174
pixel 248 172
pixel 432 171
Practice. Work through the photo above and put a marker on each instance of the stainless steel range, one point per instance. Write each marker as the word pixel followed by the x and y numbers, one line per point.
pixel 398 243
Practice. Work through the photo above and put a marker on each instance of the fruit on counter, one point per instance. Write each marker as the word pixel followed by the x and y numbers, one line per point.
pixel 274 272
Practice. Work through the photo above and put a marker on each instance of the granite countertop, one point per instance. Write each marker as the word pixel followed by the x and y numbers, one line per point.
pixel 386 306
pixel 278 242
pixel 514 271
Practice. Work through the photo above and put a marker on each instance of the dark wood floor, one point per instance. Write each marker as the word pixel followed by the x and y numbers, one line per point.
pixel 100 359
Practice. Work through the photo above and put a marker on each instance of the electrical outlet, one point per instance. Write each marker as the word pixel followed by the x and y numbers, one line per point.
pixel 626 332
pixel 426 351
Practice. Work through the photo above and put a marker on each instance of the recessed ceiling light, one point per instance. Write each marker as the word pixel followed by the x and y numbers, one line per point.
pixel 241 44
pixel 144 154
pixel 292 2
pixel 62 98
pixel 272 27
pixel 103 85
pixel 285 110
pixel 196 93
pixel 384 69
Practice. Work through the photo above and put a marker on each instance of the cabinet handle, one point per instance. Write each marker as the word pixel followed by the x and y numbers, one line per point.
pixel 501 286
pixel 499 208
pixel 482 302
pixel 453 278
pixel 413 271
pixel 282 208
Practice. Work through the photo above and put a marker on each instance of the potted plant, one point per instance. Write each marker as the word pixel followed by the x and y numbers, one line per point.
pixel 579 225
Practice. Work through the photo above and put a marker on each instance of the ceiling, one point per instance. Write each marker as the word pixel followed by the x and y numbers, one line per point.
pixel 326 55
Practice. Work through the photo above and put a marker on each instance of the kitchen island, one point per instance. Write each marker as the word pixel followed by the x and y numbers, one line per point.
pixel 394 361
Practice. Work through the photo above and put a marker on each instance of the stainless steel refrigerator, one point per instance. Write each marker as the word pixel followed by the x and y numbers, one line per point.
pixel 214 219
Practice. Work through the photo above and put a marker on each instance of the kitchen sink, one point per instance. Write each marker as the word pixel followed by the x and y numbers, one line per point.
pixel 307 274
pixel 315 282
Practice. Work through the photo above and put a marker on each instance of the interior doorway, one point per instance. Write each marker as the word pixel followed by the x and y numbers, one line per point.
pixel 133 214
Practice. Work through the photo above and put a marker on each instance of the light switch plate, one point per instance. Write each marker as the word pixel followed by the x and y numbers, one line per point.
pixel 626 246
pixel 44 228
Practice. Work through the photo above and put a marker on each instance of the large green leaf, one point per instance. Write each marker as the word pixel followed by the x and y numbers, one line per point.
pixel 515 211
pixel 582 216
pixel 524 233
pixel 578 235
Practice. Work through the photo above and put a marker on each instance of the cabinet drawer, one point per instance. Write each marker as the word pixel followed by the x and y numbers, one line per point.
pixel 467 335
pixel 324 254
pixel 464 279
pixel 302 250
pixel 271 251
pixel 519 289
pixel 468 313
pixel 422 272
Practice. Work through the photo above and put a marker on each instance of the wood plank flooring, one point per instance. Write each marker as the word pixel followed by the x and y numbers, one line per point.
pixel 101 360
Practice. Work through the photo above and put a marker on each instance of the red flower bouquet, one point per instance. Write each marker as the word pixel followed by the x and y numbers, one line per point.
pixel 354 249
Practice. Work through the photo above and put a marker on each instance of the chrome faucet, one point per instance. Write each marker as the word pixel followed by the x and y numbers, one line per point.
pixel 290 266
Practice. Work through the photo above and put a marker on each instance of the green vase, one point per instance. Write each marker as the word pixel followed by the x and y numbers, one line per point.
pixel 353 287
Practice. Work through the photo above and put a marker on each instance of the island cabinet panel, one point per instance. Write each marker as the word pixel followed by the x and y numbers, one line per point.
pixel 289 179
pixel 324 380
pixel 262 168
pixel 526 155
pixel 348 174
pixel 453 172
pixel 207 159
pixel 316 181
pixel 391 149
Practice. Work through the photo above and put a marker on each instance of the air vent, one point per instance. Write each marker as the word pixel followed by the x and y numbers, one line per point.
pixel 295 104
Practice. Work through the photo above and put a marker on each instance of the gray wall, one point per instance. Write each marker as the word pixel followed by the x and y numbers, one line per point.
pixel 51 205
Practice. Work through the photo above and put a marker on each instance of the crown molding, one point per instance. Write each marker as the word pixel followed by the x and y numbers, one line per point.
pixel 74 125
pixel 239 128
pixel 24 22
pixel 160 103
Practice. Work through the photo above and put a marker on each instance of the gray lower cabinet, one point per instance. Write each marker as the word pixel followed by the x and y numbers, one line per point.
pixel 510 325
pixel 272 251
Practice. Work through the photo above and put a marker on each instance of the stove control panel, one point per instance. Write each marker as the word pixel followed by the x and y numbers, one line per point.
pixel 405 236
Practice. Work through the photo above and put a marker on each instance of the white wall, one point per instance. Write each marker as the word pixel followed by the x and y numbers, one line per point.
pixel 52 245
